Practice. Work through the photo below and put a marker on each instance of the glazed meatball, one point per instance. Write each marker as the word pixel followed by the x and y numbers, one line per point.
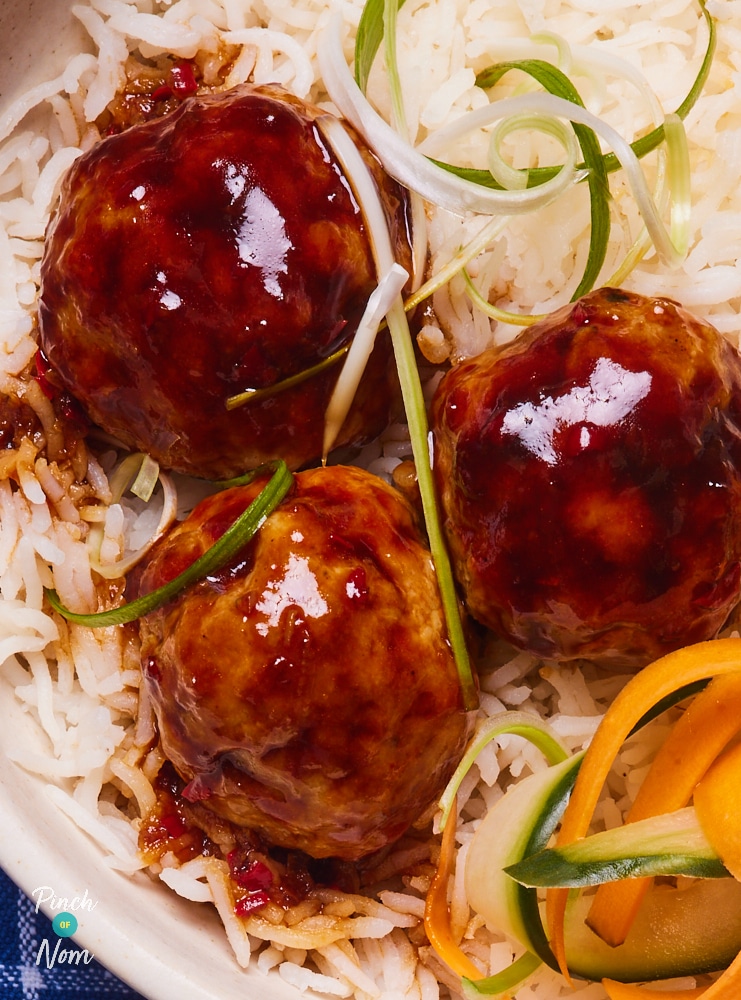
pixel 590 474
pixel 214 250
pixel 308 690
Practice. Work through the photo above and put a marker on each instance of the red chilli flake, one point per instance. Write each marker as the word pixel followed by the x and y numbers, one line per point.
pixel 42 374
pixel 173 825
pixel 162 93
pixel 255 877
pixel 183 79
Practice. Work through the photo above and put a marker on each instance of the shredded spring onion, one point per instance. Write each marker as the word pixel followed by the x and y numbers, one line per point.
pixel 233 539
pixel 409 166
pixel 388 289
pixel 411 391
pixel 549 104
pixel 378 23
pixel 252 395
pixel 557 83
pixel 146 478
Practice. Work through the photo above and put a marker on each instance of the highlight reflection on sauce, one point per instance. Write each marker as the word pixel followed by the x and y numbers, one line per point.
pixel 298 587
pixel 608 398
pixel 591 479
pixel 262 240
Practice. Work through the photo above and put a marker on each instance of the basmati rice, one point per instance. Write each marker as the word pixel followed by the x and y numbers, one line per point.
pixel 82 687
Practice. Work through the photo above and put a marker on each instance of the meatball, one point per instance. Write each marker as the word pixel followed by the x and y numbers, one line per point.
pixel 214 250
pixel 307 690
pixel 590 475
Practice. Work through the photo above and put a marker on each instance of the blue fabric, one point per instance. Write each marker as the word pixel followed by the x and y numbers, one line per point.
pixel 22 940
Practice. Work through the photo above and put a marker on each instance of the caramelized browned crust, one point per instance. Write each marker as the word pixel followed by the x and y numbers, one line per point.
pixel 216 249
pixel 590 474
pixel 308 690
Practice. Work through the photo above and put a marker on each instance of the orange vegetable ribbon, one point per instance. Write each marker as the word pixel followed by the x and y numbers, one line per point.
pixel 656 681
pixel 712 718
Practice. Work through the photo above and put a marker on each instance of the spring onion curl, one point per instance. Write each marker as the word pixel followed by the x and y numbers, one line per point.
pixel 548 104
pixel 366 194
pixel 223 549
pixel 555 82
pixel 410 167
pixel 139 474
pixel 510 723
pixel 512 178
pixel 642 146
pixel 493 228
pixel 493 312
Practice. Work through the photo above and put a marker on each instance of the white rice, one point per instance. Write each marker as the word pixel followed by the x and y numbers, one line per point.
pixel 81 687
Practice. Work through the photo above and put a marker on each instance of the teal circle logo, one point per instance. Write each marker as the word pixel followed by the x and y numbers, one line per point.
pixel 64 924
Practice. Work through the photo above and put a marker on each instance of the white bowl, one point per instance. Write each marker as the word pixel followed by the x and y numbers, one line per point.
pixel 160 944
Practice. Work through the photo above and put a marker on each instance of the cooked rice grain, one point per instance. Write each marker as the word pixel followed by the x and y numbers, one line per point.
pixel 81 687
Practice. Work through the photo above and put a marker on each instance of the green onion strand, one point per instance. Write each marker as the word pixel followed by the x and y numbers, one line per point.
pixel 223 549
pixel 368 38
pixel 641 147
pixel 557 83
pixel 502 982
pixel 251 395
pixel 370 35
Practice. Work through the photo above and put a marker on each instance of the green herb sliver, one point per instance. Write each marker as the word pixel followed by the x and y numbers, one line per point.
pixel 558 84
pixel 237 535
pixel 252 395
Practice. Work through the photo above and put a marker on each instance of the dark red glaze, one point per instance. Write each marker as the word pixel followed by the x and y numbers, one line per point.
pixel 17 421
pixel 591 478
pixel 213 250
pixel 307 690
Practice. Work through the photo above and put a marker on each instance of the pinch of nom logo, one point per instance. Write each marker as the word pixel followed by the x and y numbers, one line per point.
pixel 64 925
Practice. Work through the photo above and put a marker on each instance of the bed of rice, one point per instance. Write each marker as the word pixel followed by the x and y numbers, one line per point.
pixel 82 687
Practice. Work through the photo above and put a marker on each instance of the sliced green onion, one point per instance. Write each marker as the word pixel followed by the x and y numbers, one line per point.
pixel 223 549
pixel 680 188
pixel 557 83
pixel 251 395
pixel 564 57
pixel 501 315
pixel 368 37
pixel 549 104
pixel 367 196
pixel 390 10
pixel 530 727
pixel 146 479
pixel 416 203
pixel 388 289
pixel 405 163
pixel 641 147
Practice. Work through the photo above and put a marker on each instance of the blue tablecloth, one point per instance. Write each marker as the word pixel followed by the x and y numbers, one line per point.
pixel 23 978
